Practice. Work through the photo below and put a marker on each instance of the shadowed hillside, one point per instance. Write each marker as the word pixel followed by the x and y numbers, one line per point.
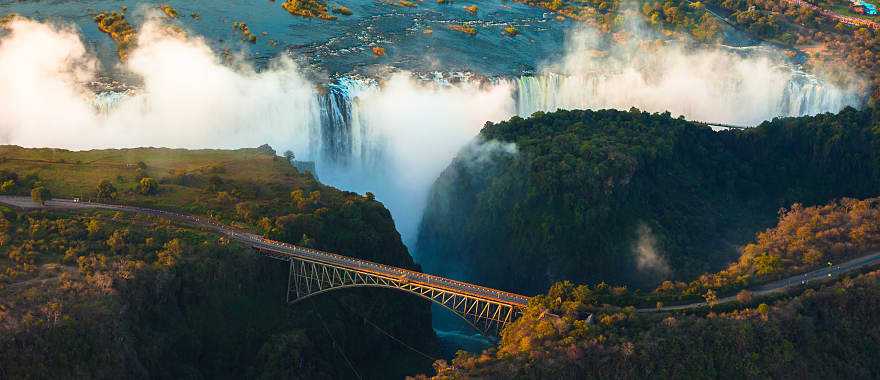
pixel 631 197
pixel 119 295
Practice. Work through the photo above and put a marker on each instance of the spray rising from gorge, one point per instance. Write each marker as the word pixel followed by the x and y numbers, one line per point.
pixel 390 135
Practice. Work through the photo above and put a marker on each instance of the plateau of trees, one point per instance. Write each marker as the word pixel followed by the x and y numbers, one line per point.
pixel 570 203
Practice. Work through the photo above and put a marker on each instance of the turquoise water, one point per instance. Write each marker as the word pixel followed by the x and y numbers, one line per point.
pixel 343 46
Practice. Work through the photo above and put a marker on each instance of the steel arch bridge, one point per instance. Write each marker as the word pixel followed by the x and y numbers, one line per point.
pixel 486 312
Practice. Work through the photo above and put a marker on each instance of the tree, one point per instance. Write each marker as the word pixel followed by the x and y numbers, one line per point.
pixel 93 227
pixel 767 264
pixel 764 310
pixel 214 183
pixel 7 185
pixel 170 253
pixel 243 211
pixel 40 195
pixel 744 297
pixel 118 240
pixel 224 198
pixel 106 190
pixel 148 186
pixel 266 225
pixel 711 298
pixel 289 156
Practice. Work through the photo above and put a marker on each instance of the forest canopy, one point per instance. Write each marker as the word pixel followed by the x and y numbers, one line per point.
pixel 632 197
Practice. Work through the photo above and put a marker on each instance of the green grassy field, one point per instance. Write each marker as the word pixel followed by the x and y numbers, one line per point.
pixel 70 174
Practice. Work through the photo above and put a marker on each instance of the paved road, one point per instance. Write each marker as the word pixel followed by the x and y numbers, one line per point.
pixel 281 248
pixel 822 274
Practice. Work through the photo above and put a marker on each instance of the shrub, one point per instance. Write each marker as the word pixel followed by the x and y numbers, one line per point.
pixel 148 186
pixel 469 30
pixel 106 190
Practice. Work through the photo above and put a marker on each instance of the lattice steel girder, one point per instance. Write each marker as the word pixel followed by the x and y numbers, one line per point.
pixel 308 278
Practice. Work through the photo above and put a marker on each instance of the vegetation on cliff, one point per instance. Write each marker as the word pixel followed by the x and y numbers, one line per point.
pixel 805 238
pixel 823 331
pixel 309 9
pixel 832 332
pixel 119 295
pixel 118 28
pixel 632 197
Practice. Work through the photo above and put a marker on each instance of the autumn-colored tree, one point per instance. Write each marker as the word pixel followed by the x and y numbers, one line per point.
pixel 711 298
pixel 764 310
pixel 243 211
pixel 170 253
pixel 118 240
pixel 744 297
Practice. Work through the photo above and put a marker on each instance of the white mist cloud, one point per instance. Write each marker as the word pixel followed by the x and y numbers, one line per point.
pixel 482 152
pixel 43 67
pixel 422 126
pixel 648 260
pixel 702 83
pixel 188 98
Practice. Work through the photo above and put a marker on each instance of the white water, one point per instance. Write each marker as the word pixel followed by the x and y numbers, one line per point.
pixel 392 138
pixel 791 94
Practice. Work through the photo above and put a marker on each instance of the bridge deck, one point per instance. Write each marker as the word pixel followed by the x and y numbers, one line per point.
pixel 277 248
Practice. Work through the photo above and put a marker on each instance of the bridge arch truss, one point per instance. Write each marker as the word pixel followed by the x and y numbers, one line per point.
pixel 309 278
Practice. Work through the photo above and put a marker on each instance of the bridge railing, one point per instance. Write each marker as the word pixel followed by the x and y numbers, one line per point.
pixel 396 273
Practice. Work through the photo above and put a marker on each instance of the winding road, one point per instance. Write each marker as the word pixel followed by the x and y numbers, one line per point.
pixel 822 274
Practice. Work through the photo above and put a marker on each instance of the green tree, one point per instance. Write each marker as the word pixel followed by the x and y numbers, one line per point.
pixel 289 156
pixel 148 186
pixel 7 186
pixel 40 195
pixel 106 190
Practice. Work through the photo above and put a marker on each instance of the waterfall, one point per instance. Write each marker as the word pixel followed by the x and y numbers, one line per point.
pixel 106 101
pixel 340 138
pixel 732 102
pixel 346 140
